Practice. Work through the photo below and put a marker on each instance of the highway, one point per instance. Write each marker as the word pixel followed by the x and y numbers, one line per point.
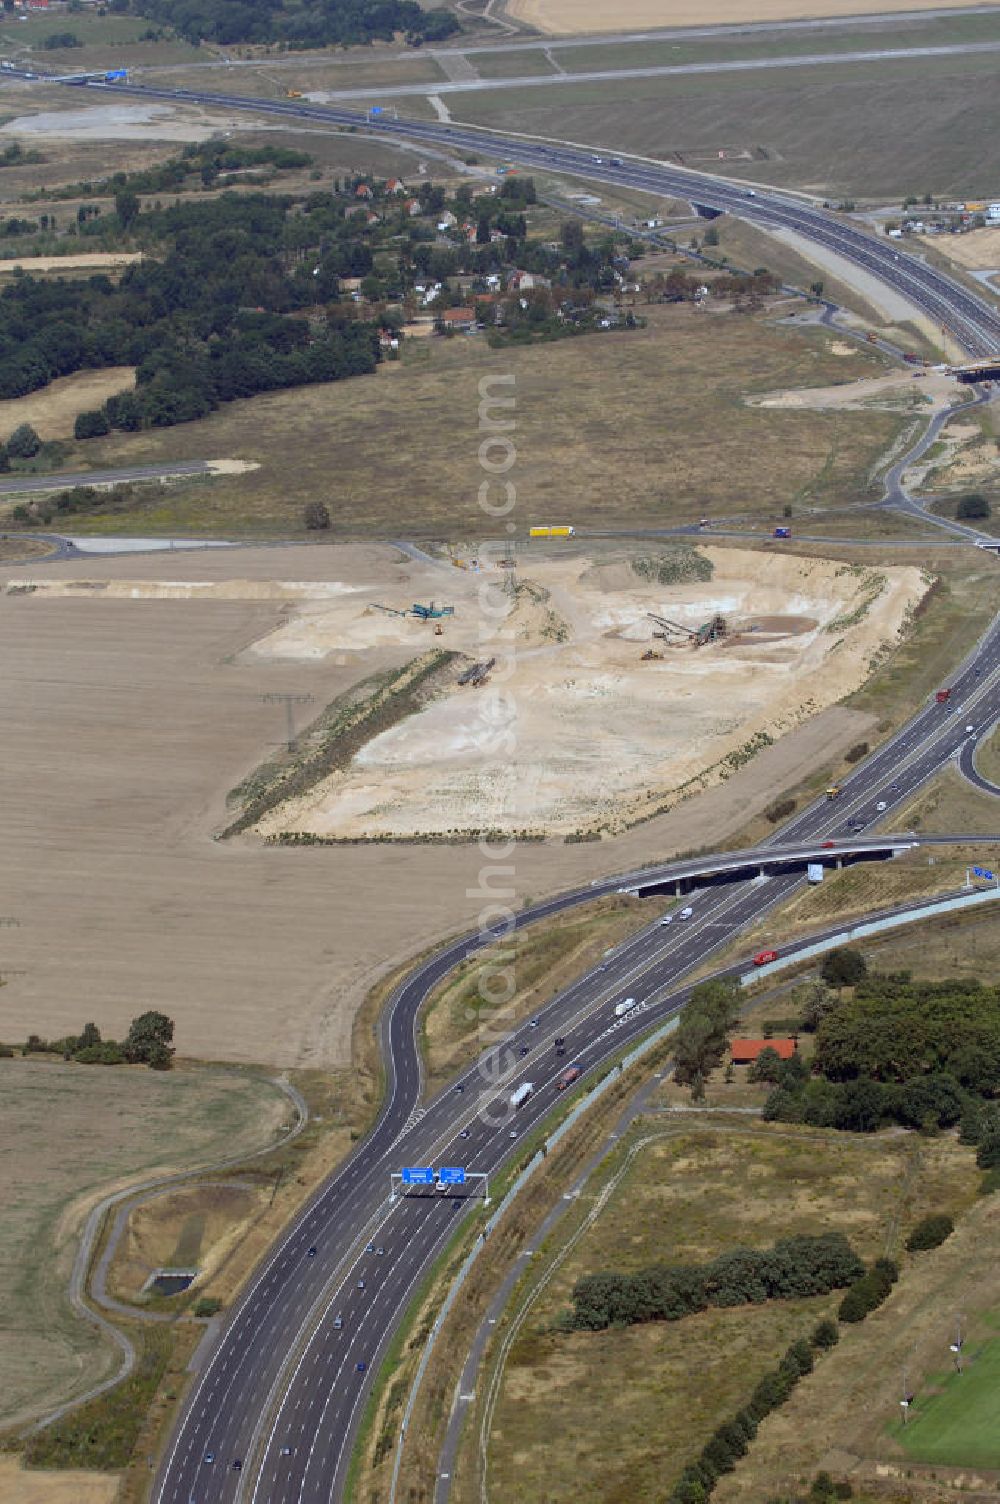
pixel 973 323
pixel 282 1392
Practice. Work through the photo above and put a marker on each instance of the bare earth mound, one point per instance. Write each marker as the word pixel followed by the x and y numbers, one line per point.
pixel 599 715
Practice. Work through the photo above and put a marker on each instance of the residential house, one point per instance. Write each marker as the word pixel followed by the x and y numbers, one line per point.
pixel 395 185
pixel 458 318
pixel 745 1051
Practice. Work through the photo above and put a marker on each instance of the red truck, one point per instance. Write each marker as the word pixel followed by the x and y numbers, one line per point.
pixel 943 695
pixel 764 957
pixel 570 1074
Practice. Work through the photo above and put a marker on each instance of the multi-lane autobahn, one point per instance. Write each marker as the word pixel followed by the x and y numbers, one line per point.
pixel 283 1391
pixel 971 321
pixel 274 1410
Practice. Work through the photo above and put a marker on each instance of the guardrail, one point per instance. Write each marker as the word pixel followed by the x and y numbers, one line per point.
pixel 869 927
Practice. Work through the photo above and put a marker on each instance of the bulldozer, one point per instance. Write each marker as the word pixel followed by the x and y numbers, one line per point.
pixel 650 656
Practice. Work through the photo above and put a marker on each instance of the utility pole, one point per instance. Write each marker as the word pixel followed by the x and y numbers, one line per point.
pixel 288 701
pixel 956 1347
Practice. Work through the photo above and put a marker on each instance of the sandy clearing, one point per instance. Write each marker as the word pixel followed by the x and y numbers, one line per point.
pixel 52 410
pixel 88 261
pixel 18 1485
pixel 585 734
pixel 232 467
pixel 979 249
pixel 121 122
pixel 569 17
pixel 126 724
pixel 943 391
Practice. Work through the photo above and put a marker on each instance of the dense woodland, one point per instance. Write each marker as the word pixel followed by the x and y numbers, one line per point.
pixel 308 23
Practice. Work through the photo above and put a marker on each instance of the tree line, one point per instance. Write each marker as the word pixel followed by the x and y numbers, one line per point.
pixel 148 1042
pixel 310 23
pixel 795 1267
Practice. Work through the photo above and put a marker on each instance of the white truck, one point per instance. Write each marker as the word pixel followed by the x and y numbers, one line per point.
pixel 814 872
pixel 521 1095
pixel 626 1006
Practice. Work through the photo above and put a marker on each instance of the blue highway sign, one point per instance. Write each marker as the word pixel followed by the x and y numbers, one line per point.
pixel 418 1177
pixel 984 872
pixel 451 1176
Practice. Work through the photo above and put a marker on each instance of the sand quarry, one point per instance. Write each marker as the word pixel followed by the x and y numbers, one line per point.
pixel 574 731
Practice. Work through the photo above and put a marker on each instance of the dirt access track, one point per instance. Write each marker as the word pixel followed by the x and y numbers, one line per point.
pixel 578 17
pixel 127 722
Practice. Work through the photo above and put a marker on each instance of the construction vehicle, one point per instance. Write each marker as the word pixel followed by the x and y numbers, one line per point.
pixel 389 610
pixel 293 94
pixel 668 626
pixel 872 337
pixel 439 630
pixel 552 532
pixel 834 791
pixel 650 655
pixel 711 631
pixel 431 612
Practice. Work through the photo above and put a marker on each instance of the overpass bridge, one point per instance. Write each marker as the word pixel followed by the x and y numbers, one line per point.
pixel 757 862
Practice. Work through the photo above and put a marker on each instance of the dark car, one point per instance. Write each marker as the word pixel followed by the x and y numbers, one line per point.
pixel 523 1050
pixel 559 1040
pixel 237 1465
pixel 561 1050
pixel 311 1253
pixel 360 1367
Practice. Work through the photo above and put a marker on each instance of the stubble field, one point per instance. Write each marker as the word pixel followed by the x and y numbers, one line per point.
pixel 129 721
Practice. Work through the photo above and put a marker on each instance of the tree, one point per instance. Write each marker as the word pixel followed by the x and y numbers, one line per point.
pixel 825 1334
pixel 930 1232
pixel 711 236
pixel 127 208
pixel 91 425
pixel 91 1035
pixel 23 443
pixel 816 288
pixel 767 1066
pixel 149 1041
pixel 843 967
pixel 972 507
pixel 316 516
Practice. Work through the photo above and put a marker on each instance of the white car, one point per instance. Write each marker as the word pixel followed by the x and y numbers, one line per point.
pixel 881 807
pixel 970 730
pixel 667 919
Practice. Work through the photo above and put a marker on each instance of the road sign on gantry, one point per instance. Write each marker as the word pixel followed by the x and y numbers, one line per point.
pixel 418 1176
pixel 451 1175
pixel 984 872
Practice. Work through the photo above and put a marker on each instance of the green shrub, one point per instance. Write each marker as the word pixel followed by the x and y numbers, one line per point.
pixel 930 1232
pixel 207 1306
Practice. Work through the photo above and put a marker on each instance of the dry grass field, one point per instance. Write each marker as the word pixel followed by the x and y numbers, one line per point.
pixel 852 129
pixel 196 1226
pixel 569 17
pixel 647 426
pixel 630 1407
pixel 71 1135
pixel 53 409
pixel 17 1486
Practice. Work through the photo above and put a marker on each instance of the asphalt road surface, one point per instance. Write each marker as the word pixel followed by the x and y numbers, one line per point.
pixel 972 322
pixel 13 485
pixel 283 1393
pixel 477 85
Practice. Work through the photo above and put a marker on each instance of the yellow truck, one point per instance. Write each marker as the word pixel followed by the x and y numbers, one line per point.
pixel 833 792
pixel 551 532
pixel 293 94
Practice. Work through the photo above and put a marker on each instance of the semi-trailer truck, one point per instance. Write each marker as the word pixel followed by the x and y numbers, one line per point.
pixel 570 1074
pixel 552 532
pixel 521 1095
pixel 625 1006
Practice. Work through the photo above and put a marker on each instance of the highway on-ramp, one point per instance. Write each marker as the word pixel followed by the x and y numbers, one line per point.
pixel 284 1389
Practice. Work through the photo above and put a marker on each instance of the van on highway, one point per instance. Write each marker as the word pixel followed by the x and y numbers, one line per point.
pixel 686 913
pixel 765 957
